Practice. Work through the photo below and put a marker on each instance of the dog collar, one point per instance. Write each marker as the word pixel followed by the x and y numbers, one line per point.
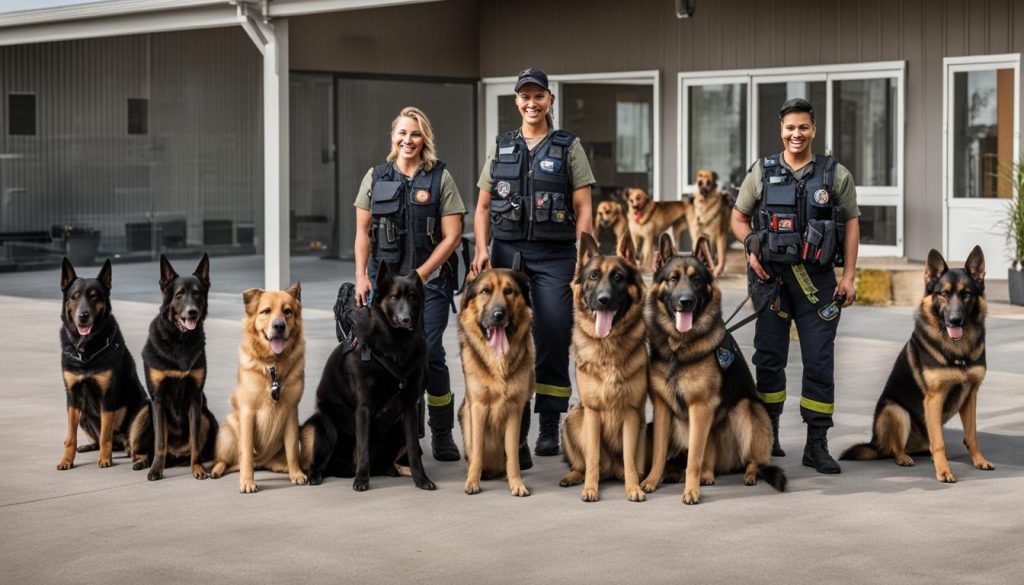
pixel 275 384
pixel 82 359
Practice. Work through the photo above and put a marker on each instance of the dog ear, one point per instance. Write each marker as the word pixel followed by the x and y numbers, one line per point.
pixel 702 251
pixel 517 262
pixel 67 275
pixel 167 273
pixel 975 265
pixel 295 290
pixel 202 271
pixel 383 281
pixel 934 268
pixel 666 250
pixel 588 249
pixel 468 293
pixel 251 298
pixel 523 282
pixel 105 275
pixel 626 250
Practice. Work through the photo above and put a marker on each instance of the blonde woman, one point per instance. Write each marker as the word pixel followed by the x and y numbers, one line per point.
pixel 409 215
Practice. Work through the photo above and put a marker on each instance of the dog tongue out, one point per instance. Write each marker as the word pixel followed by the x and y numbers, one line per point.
pixel 684 320
pixel 84 330
pixel 277 345
pixel 955 332
pixel 603 323
pixel 497 340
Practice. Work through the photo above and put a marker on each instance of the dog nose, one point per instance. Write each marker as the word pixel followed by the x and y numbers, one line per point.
pixel 498 314
pixel 687 302
pixel 83 316
pixel 279 325
pixel 404 320
pixel 604 298
pixel 192 313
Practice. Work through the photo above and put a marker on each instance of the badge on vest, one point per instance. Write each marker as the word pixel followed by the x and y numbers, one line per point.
pixel 542 200
pixel 504 188
pixel 422 196
pixel 829 312
pixel 549 165
pixel 725 358
pixel 821 197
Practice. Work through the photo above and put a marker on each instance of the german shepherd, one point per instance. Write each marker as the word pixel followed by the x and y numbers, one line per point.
pixel 497 350
pixel 178 422
pixel 648 219
pixel 610 218
pixel 262 430
pixel 366 417
pixel 603 434
pixel 100 381
pixel 711 211
pixel 705 402
pixel 937 373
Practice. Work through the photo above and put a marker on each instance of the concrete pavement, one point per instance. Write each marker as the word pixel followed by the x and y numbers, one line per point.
pixel 874 523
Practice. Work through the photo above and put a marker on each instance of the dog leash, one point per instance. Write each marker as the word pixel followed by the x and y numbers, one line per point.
pixel 776 283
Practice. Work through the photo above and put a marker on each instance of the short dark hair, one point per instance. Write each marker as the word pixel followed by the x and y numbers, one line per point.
pixel 796 105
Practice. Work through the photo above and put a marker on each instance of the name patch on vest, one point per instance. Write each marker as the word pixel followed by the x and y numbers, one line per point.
pixel 504 188
pixel 422 196
pixel 821 197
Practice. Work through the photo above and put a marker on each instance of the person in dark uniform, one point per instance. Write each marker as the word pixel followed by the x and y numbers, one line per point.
pixel 535 199
pixel 409 215
pixel 797 217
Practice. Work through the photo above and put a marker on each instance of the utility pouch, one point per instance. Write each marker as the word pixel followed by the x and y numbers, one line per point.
pixel 783 248
pixel 783 222
pixel 385 197
pixel 828 243
pixel 812 241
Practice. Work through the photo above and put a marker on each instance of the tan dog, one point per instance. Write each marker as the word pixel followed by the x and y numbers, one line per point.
pixel 603 435
pixel 262 431
pixel 648 219
pixel 711 210
pixel 498 363
pixel 610 217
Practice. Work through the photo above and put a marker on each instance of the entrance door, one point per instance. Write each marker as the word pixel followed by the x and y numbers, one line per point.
pixel 981 128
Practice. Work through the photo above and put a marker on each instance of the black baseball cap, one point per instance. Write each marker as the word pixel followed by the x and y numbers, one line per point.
pixel 532 75
pixel 796 105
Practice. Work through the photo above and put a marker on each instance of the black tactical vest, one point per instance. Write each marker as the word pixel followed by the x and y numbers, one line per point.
pixel 532 194
pixel 406 216
pixel 798 221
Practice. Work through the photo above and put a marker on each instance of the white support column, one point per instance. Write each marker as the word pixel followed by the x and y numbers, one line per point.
pixel 272 40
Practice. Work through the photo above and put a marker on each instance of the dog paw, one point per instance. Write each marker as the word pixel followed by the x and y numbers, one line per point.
pixel 635 494
pixel 361 484
pixel 472 487
pixel 708 478
pixel 590 495
pixel 218 470
pixel 138 465
pixel 904 460
pixel 105 462
pixel 65 464
pixel 155 474
pixel 199 472
pixel 945 476
pixel 426 484
pixel 749 479
pixel 572 478
pixel 315 479
pixel 519 490
pixel 691 497
pixel 87 448
pixel 649 485
pixel 247 486
pixel 984 464
pixel 297 478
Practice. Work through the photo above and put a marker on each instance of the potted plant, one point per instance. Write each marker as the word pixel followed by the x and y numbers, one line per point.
pixel 1015 236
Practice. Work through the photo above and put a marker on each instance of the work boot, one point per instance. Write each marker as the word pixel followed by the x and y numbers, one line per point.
pixel 525 459
pixel 547 440
pixel 776 447
pixel 442 419
pixel 816 451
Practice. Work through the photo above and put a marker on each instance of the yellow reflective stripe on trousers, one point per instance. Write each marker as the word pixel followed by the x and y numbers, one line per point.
pixel 815 406
pixel 804 280
pixel 439 400
pixel 556 391
pixel 772 397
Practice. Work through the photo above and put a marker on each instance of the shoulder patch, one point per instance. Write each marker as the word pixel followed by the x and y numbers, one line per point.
pixel 725 357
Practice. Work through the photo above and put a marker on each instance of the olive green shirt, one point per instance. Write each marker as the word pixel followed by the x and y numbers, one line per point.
pixel 579 168
pixel 451 201
pixel 750 190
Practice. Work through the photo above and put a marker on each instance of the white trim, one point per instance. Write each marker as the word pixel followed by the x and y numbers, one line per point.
pixel 97 10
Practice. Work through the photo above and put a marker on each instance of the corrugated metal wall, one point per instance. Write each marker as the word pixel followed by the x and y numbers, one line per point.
pixel 590 36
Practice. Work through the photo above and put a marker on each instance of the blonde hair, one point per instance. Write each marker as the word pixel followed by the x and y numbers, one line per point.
pixel 428 153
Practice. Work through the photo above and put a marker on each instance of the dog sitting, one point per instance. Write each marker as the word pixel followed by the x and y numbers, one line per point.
pixel 603 434
pixel 498 363
pixel 178 422
pixel 100 381
pixel 648 219
pixel 711 211
pixel 366 418
pixel 262 431
pixel 610 219
pixel 938 372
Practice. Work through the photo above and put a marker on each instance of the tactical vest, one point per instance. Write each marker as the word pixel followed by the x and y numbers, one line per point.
pixel 798 221
pixel 532 194
pixel 406 216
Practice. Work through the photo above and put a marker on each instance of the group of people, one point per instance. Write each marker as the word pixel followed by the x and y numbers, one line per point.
pixel 535 199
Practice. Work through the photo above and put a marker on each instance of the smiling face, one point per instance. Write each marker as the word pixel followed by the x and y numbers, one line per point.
pixel 86 300
pixel 534 103
pixel 407 140
pixel 797 133
pixel 609 213
pixel 707 181
pixel 274 316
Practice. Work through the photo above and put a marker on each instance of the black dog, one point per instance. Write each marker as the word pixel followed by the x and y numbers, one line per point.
pixel 102 386
pixel 178 422
pixel 366 401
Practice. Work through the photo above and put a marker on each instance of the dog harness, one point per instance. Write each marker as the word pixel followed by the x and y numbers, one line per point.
pixel 82 360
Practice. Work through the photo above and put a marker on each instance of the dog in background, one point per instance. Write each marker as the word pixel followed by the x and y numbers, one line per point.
pixel 610 218
pixel 938 372
pixel 711 210
pixel 648 219
pixel 100 381
pixel 706 408
pixel 178 422
pixel 366 417
pixel 496 344
pixel 262 431
pixel 603 433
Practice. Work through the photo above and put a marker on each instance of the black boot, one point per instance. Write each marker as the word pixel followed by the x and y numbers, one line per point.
pixel 816 451
pixel 776 447
pixel 442 418
pixel 547 440
pixel 525 459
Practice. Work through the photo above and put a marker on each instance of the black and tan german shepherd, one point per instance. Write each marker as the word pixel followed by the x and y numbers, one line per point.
pixel 178 427
pixel 705 401
pixel 366 401
pixel 102 386
pixel 938 372
pixel 604 431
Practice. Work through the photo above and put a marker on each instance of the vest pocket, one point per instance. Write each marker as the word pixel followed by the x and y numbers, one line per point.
pixel 388 223
pixel 384 198
pixel 780 195
pixel 505 215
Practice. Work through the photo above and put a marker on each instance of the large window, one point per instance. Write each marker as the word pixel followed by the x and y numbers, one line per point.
pixel 717 135
pixel 982 132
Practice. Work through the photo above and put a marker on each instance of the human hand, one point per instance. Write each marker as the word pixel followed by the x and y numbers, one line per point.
pixel 481 261
pixel 362 290
pixel 846 292
pixel 755 265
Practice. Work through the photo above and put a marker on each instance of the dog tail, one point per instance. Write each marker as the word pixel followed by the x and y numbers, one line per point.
pixel 861 452
pixel 774 475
